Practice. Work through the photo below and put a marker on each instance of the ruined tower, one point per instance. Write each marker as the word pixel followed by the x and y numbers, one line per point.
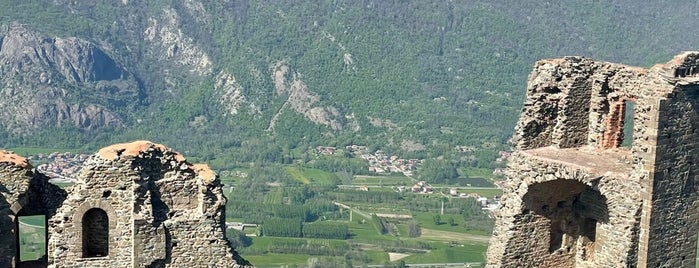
pixel 136 204
pixel 23 192
pixel 576 196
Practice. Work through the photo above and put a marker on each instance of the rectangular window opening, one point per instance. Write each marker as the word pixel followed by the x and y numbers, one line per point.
pixel 32 238
pixel 629 108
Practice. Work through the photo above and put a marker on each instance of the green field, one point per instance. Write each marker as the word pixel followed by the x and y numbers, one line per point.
pixel 32 237
pixel 277 260
pixel 390 180
pixel 485 192
pixel 476 172
pixel 310 175
pixel 445 253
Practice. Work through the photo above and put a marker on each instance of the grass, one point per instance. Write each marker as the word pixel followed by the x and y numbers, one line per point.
pixel 426 220
pixel 32 236
pixel 476 172
pixel 308 175
pixel 277 260
pixel 444 254
pixel 446 236
pixel 377 256
pixel 485 192
pixel 261 244
pixel 389 180
pixel 250 230
pixel 366 233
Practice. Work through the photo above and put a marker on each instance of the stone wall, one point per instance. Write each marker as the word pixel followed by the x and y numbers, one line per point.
pixel 137 204
pixel 23 192
pixel 674 215
pixel 574 197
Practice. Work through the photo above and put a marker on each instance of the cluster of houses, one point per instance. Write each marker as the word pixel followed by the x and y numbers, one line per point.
pixel 59 166
pixel 326 150
pixel 381 162
pixel 420 187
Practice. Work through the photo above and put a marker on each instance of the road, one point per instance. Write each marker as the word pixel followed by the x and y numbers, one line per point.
pixel 366 216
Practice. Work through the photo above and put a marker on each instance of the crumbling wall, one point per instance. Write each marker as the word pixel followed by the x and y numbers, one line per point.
pixel 162 211
pixel 105 185
pixel 547 201
pixel 23 191
pixel 631 207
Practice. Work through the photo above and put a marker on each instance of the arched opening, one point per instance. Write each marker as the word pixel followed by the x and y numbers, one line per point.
pixel 95 233
pixel 32 237
pixel 572 211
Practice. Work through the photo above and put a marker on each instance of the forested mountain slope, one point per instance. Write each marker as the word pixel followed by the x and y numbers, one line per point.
pixel 245 80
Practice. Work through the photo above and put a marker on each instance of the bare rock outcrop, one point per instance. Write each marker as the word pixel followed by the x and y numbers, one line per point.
pixel 52 82
pixel 288 83
pixel 171 44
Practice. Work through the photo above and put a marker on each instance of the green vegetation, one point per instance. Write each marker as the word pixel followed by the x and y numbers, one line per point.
pixel 308 175
pixel 457 253
pixel 305 225
pixel 436 80
pixel 398 179
pixel 434 74
pixel 32 237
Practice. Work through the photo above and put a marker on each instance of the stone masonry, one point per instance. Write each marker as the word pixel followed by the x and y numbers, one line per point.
pixel 575 197
pixel 136 204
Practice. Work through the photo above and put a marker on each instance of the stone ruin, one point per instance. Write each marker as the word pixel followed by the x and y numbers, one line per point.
pixel 137 204
pixel 575 195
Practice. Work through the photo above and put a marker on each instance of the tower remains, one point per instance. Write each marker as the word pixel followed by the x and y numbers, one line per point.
pixel 577 195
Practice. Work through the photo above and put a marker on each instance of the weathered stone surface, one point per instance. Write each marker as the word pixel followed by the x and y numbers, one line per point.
pixel 23 191
pixel 135 204
pixel 41 75
pixel 574 198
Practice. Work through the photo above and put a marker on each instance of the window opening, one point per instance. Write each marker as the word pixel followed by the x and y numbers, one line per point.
pixel 32 237
pixel 95 232
pixel 629 108
pixel 619 125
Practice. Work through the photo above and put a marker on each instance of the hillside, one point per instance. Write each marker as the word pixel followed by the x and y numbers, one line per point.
pixel 239 81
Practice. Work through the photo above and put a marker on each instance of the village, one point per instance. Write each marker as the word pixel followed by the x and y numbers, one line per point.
pixel 60 167
pixel 379 161
pixel 383 163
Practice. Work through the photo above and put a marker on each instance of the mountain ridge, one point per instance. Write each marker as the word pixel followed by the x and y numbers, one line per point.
pixel 441 74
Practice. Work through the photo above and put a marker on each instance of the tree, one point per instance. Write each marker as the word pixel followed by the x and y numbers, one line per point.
pixel 437 219
pixel 414 229
pixel 451 221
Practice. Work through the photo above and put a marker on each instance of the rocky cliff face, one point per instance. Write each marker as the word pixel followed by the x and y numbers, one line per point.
pixel 288 84
pixel 50 81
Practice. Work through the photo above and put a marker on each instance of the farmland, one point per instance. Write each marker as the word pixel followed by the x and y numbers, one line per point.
pixel 32 237
pixel 411 227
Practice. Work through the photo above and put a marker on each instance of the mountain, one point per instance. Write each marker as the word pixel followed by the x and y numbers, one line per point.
pixel 245 80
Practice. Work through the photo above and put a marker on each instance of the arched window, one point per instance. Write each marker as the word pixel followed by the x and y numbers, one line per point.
pixel 95 232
